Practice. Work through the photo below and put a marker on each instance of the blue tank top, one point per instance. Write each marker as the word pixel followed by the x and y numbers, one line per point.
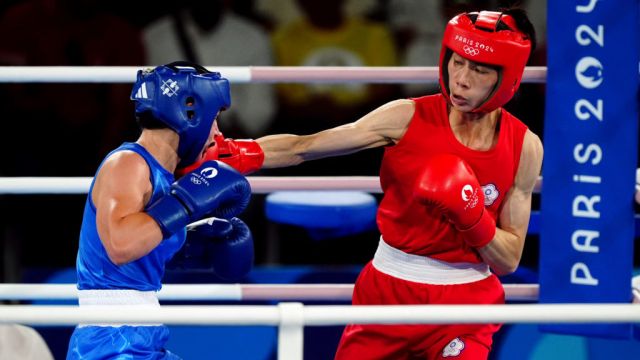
pixel 94 268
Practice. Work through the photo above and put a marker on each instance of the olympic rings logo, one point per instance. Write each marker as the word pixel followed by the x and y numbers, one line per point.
pixel 470 50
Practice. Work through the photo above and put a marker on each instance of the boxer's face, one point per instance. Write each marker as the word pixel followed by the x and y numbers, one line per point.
pixel 214 131
pixel 470 83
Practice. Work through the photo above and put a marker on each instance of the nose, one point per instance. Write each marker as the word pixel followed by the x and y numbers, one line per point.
pixel 462 77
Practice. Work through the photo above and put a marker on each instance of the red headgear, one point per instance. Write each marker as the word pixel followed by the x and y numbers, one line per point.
pixel 481 42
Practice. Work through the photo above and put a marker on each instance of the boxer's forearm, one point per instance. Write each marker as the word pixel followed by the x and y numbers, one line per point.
pixel 281 150
pixel 503 253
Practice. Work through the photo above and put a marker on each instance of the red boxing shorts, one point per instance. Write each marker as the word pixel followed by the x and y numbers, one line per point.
pixel 374 287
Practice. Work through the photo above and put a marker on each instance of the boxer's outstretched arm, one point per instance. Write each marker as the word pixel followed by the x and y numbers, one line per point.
pixel 383 126
pixel 503 253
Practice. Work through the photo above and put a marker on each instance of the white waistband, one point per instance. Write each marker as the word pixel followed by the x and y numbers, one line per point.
pixel 118 297
pixel 91 298
pixel 422 269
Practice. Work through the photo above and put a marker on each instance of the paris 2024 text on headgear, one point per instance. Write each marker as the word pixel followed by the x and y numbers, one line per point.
pixel 185 97
pixel 482 42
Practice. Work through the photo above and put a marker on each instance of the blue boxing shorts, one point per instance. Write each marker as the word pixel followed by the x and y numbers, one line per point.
pixel 119 341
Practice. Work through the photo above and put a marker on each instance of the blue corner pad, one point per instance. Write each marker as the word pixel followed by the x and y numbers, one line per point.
pixel 322 209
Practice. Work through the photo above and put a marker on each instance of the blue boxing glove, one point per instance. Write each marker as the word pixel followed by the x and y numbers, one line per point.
pixel 212 189
pixel 195 254
pixel 224 247
pixel 232 252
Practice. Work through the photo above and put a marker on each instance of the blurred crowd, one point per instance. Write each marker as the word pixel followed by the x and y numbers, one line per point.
pixel 66 129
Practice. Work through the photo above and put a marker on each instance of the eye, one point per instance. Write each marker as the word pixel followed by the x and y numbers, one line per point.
pixel 190 101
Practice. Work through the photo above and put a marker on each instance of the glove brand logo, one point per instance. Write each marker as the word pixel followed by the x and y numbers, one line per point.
pixel 491 193
pixel 209 172
pixel 206 173
pixel 467 191
pixel 454 348
pixel 169 88
pixel 470 196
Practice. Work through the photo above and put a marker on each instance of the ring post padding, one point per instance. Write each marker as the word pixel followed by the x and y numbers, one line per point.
pixel 587 227
pixel 291 331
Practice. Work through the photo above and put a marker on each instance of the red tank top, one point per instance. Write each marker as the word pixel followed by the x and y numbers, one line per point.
pixel 414 228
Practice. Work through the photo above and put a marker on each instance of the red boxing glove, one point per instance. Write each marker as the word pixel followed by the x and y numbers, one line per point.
pixel 449 184
pixel 210 154
pixel 246 156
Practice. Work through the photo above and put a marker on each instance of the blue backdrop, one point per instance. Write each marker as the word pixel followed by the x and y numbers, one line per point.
pixel 590 138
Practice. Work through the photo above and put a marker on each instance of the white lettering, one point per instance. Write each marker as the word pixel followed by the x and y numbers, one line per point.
pixel 588 8
pixel 587 210
pixel 473 43
pixel 584 109
pixel 586 278
pixel 584 157
pixel 581 240
pixel 585 40
pixel 589 179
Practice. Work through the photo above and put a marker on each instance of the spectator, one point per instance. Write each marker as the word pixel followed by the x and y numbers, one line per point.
pixel 208 32
pixel 72 33
pixel 423 37
pixel 326 36
pixel 410 19
pixel 59 129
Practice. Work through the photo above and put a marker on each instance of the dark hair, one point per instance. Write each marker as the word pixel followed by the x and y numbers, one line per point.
pixel 522 22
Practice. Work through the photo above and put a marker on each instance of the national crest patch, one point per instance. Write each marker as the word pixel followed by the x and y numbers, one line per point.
pixel 454 348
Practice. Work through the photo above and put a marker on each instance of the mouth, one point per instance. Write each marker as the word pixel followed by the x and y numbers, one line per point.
pixel 458 100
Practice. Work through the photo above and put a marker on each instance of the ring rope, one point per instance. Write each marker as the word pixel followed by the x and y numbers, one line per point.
pixel 259 184
pixel 236 292
pixel 321 315
pixel 245 74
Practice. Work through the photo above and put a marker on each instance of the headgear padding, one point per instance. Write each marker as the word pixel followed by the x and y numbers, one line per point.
pixel 482 42
pixel 185 97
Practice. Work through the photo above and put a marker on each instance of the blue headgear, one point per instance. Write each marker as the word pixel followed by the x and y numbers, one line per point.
pixel 185 97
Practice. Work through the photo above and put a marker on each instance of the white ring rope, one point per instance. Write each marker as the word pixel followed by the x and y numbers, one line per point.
pixel 244 74
pixel 292 317
pixel 235 292
pixel 321 315
pixel 259 184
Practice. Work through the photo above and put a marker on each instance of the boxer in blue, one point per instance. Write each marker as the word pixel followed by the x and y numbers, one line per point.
pixel 136 213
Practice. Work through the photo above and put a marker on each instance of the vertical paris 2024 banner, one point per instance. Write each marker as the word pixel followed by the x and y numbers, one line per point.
pixel 591 146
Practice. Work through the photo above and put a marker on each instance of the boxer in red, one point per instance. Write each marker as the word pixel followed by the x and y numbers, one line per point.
pixel 457 174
